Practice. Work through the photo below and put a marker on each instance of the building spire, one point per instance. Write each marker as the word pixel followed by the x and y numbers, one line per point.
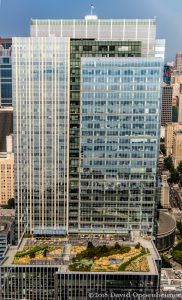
pixel 91 9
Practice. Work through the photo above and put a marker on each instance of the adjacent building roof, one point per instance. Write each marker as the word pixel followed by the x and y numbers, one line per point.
pixel 167 223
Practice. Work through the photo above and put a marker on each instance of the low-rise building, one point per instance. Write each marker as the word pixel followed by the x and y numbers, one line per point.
pixel 61 274
pixel 166 231
pixel 171 281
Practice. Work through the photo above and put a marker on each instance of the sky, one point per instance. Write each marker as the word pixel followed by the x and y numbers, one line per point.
pixel 15 15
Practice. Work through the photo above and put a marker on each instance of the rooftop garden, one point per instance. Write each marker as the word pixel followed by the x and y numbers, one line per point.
pixel 111 259
pixel 41 252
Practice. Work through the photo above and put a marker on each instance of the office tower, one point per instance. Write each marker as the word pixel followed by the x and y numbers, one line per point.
pixel 126 49
pixel 119 135
pixel 79 49
pixel 6 155
pixel 178 65
pixel 177 148
pixel 5 73
pixel 6 127
pixel 166 113
pixel 41 133
pixel 180 108
pixel 167 74
pixel 87 97
pixel 100 38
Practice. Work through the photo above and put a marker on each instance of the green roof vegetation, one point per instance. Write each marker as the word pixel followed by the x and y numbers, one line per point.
pixel 31 251
pixel 110 258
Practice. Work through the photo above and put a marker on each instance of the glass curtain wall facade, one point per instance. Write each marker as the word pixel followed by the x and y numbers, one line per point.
pixel 5 73
pixel 119 143
pixel 79 49
pixel 41 128
pixel 109 286
pixel 50 171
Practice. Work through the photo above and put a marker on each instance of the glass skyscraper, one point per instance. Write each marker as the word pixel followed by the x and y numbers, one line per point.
pixel 119 144
pixel 41 129
pixel 87 98
pixel 5 73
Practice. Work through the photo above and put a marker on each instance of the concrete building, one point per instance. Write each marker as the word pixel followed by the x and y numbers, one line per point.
pixel 171 282
pixel 176 78
pixel 177 148
pixel 180 108
pixel 7 173
pixel 167 96
pixel 178 65
pixel 6 179
pixel 164 192
pixel 170 130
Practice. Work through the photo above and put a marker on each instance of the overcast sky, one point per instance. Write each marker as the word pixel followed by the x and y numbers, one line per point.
pixel 15 15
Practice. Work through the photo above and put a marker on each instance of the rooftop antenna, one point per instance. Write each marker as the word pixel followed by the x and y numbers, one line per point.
pixel 91 16
pixel 91 9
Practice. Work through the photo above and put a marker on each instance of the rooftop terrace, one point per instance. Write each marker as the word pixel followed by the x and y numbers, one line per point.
pixel 86 255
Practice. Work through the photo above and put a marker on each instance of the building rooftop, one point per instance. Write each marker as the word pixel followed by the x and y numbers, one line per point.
pixel 167 223
pixel 71 21
pixel 5 224
pixel 4 212
pixel 86 255
pixel 171 280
